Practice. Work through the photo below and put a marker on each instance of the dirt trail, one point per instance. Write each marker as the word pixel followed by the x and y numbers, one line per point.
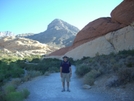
pixel 48 88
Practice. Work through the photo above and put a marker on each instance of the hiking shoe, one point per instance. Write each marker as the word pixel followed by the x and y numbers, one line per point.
pixel 63 90
pixel 68 90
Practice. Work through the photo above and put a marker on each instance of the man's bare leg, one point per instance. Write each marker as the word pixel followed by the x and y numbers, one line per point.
pixel 68 87
pixel 63 85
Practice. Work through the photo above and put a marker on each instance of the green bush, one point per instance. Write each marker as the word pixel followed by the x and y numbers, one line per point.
pixel 53 69
pixel 129 64
pixel 14 96
pixel 45 65
pixel 25 93
pixel 126 52
pixel 81 70
pixel 10 70
pixel 2 96
pixel 10 93
pixel 9 88
pixel 90 77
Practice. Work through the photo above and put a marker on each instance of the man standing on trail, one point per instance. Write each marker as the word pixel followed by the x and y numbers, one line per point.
pixel 65 72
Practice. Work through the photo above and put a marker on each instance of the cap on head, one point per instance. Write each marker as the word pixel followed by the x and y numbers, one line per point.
pixel 65 57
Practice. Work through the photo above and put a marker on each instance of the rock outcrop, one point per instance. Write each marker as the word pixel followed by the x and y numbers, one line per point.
pixel 116 41
pixel 96 29
pixel 124 13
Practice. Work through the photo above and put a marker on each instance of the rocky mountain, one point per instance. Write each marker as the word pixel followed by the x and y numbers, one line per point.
pixel 58 33
pixel 24 47
pixel 6 33
pixel 104 35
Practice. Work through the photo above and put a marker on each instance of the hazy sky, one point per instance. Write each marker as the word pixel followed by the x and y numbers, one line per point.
pixel 33 16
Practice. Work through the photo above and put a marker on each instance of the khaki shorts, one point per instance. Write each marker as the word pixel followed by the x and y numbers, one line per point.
pixel 65 76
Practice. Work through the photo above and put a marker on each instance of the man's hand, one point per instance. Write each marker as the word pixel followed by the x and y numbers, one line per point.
pixel 61 72
pixel 70 74
pixel 61 75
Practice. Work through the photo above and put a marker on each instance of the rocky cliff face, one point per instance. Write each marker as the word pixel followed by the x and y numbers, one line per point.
pixel 115 41
pixel 105 35
pixel 58 33
pixel 24 47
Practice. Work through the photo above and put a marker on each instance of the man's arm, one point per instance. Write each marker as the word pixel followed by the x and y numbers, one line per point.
pixel 70 71
pixel 60 71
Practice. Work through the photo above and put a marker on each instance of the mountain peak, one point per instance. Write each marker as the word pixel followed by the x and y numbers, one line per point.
pixel 60 24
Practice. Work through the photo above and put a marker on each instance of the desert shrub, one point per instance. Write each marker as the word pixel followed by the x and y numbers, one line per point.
pixel 90 77
pixel 78 62
pixel 26 78
pixel 115 67
pixel 10 94
pixel 53 69
pixel 33 73
pixel 16 71
pixel 84 58
pixel 47 73
pixel 81 70
pixel 21 63
pixel 125 75
pixel 16 81
pixel 45 65
pixel 30 74
pixel 1 96
pixel 129 64
pixel 112 82
pixel 14 96
pixel 36 60
pixel 25 93
pixel 71 60
pixel 9 88
pixel 126 52
pixel 11 70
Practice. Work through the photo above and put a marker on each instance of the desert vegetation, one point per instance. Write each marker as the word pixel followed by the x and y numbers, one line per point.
pixel 119 67
pixel 15 71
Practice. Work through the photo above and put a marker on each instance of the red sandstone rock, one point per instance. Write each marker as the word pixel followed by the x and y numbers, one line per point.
pixel 96 29
pixel 124 13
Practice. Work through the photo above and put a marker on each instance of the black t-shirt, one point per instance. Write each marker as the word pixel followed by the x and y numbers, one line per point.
pixel 65 66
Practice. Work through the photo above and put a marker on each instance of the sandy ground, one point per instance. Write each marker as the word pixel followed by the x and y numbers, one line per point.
pixel 48 88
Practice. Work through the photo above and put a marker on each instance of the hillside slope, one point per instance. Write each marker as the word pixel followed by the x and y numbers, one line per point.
pixel 24 47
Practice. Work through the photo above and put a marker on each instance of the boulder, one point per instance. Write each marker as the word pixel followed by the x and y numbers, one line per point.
pixel 124 12
pixel 86 86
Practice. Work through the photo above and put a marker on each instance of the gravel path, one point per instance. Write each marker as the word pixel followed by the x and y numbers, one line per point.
pixel 48 88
